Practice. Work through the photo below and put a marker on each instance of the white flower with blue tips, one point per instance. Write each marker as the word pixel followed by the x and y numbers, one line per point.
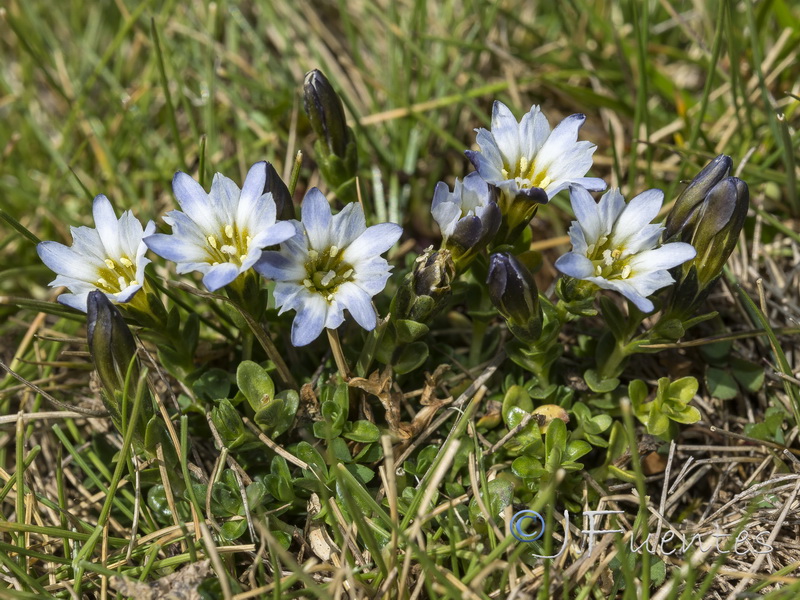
pixel 333 263
pixel 526 156
pixel 221 234
pixel 615 246
pixel 109 258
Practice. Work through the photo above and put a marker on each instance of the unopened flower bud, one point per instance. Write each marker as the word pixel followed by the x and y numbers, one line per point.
pixel 688 205
pixel 113 351
pixel 718 226
pixel 513 292
pixel 712 226
pixel 280 194
pixel 335 146
pixel 425 290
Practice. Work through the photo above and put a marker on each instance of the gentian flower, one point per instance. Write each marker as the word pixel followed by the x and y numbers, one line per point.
pixel 222 233
pixel 709 214
pixel 109 258
pixel 614 245
pixel 113 350
pixel 527 158
pixel 513 292
pixel 468 216
pixel 331 264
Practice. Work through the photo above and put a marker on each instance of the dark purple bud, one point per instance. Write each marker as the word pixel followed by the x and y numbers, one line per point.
pixel 685 212
pixel 325 111
pixel 513 292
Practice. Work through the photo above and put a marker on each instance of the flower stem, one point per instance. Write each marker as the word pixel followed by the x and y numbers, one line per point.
pixel 610 367
pixel 298 161
pixel 478 331
pixel 247 345
pixel 338 353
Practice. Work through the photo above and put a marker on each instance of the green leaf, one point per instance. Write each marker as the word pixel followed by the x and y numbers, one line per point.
pixel 279 488
pixel 529 437
pixel 212 385
pixel 658 572
pixel 683 390
pixel 157 501
pixel 721 384
pixel 256 494
pixel 527 467
pixel 671 329
pixel 341 396
pixel 637 391
pixel 749 375
pixel 596 440
pixel 363 473
pixel 600 423
pixel 409 331
pixel 225 502
pixel 153 433
pixel 412 357
pixel 229 424
pixel 362 431
pixel 340 450
pixel 276 417
pixel 516 397
pixel 576 449
pixel 308 454
pixel 255 383
pixel 283 538
pixel 278 466
pixel 369 453
pixel 556 437
pixel 658 424
pixel 496 496
pixel 597 385
pixel 233 530
pixel 687 416
pixel 716 352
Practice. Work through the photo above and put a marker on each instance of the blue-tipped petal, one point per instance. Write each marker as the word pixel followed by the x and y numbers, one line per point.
pixel 575 265
pixel 310 320
pixel 640 211
pixel 253 187
pixel 375 240
pixel 76 301
pixel 274 265
pixel 107 225
pixel 63 260
pixel 587 212
pixel 316 216
pixel 276 234
pixel 219 276
pixel 348 224
pixel 194 201
pixel 175 249
pixel 359 303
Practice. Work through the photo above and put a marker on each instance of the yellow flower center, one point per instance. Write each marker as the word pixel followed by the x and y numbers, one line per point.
pixel 525 174
pixel 608 262
pixel 117 275
pixel 326 272
pixel 229 246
